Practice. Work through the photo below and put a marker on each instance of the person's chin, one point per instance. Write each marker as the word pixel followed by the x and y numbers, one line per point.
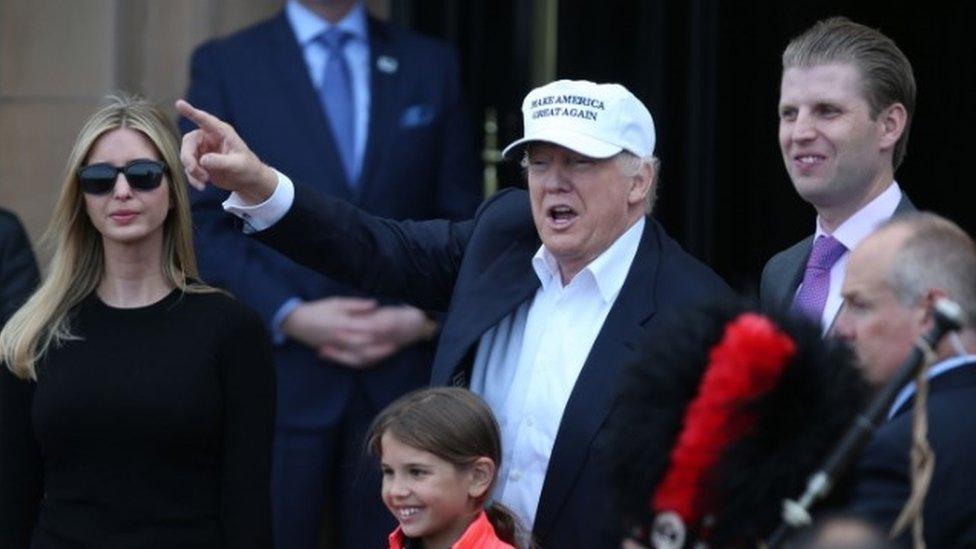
pixel 415 529
pixel 127 235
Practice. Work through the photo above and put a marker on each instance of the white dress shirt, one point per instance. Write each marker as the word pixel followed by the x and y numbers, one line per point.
pixel 850 233
pixel 526 366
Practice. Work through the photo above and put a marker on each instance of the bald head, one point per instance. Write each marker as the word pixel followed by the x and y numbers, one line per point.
pixel 893 279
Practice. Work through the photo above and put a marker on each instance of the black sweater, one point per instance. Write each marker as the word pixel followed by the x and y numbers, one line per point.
pixel 154 429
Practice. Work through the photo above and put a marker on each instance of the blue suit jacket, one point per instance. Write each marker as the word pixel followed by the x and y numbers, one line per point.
pixel 419 163
pixel 882 484
pixel 479 271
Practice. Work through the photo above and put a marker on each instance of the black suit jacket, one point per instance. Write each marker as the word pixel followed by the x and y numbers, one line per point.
pixel 18 486
pixel 784 271
pixel 882 484
pixel 479 271
pixel 18 270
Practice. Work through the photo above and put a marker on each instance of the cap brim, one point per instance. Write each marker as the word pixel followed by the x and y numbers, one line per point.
pixel 572 140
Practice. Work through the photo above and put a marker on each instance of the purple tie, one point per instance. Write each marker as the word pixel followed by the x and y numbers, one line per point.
pixel 336 97
pixel 812 297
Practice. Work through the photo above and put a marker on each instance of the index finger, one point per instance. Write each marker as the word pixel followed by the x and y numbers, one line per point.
pixel 201 118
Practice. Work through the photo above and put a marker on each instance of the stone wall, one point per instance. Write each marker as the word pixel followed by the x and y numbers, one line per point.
pixel 58 58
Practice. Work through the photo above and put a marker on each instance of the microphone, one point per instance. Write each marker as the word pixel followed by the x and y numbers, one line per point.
pixel 948 317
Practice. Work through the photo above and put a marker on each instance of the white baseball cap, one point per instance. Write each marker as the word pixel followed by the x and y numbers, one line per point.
pixel 595 120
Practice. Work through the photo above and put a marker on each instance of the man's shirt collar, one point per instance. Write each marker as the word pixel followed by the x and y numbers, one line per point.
pixel 936 370
pixel 308 25
pixel 608 270
pixel 856 228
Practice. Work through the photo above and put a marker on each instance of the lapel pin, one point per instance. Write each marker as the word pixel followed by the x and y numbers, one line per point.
pixel 387 64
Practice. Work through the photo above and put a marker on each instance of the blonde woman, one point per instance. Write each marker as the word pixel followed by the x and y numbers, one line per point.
pixel 136 403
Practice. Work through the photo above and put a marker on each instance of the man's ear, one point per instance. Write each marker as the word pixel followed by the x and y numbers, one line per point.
pixel 642 183
pixel 927 308
pixel 482 473
pixel 893 120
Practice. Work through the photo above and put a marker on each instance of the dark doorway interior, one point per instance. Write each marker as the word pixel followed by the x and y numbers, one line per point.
pixel 709 71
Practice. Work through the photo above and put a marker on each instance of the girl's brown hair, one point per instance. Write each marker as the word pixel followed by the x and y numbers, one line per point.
pixel 455 425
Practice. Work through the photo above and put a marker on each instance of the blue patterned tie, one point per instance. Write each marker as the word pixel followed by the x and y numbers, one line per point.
pixel 336 97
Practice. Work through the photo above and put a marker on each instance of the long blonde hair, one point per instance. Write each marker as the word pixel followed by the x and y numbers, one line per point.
pixel 77 264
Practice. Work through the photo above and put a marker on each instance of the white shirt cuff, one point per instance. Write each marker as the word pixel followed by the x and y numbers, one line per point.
pixel 258 217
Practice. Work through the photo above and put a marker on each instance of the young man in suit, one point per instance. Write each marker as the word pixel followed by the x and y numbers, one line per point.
pixel 846 102
pixel 548 294
pixel 893 279
pixel 369 113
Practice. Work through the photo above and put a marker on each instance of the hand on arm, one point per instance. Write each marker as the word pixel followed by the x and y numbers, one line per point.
pixel 214 152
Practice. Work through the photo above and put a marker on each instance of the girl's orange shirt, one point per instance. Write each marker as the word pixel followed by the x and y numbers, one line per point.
pixel 480 535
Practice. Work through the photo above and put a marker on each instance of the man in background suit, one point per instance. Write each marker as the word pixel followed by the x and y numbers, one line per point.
pixel 18 278
pixel 18 269
pixel 893 279
pixel 371 114
pixel 548 294
pixel 846 102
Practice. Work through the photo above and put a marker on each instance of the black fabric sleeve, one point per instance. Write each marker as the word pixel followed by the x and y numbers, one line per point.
pixel 248 378
pixel 414 261
pixel 20 455
pixel 20 462
pixel 881 482
pixel 18 270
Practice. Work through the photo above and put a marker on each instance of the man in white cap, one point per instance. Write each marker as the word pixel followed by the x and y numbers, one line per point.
pixel 548 295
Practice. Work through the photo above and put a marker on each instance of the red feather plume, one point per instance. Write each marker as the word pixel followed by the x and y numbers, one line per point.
pixel 743 366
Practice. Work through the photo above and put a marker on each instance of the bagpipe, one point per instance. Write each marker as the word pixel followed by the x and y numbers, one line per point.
pixel 728 414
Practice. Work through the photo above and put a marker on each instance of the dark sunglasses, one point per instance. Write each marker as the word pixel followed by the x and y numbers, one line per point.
pixel 142 175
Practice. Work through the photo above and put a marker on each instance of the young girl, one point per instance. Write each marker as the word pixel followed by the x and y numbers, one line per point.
pixel 440 451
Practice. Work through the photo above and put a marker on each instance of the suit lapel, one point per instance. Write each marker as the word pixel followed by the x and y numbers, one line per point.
pixel 302 99
pixel 384 82
pixel 794 276
pixel 799 263
pixel 905 205
pixel 501 287
pixel 595 389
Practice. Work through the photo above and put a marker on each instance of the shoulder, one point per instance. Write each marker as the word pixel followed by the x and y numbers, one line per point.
pixel 504 203
pixel 951 393
pixel 222 311
pixel 7 218
pixel 422 60
pixel 408 40
pixel 254 36
pixel 790 256
pixel 16 257
pixel 10 226
pixel 905 205
pixel 506 214
pixel 683 277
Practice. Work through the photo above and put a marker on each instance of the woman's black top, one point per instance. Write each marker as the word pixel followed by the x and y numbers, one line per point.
pixel 152 429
